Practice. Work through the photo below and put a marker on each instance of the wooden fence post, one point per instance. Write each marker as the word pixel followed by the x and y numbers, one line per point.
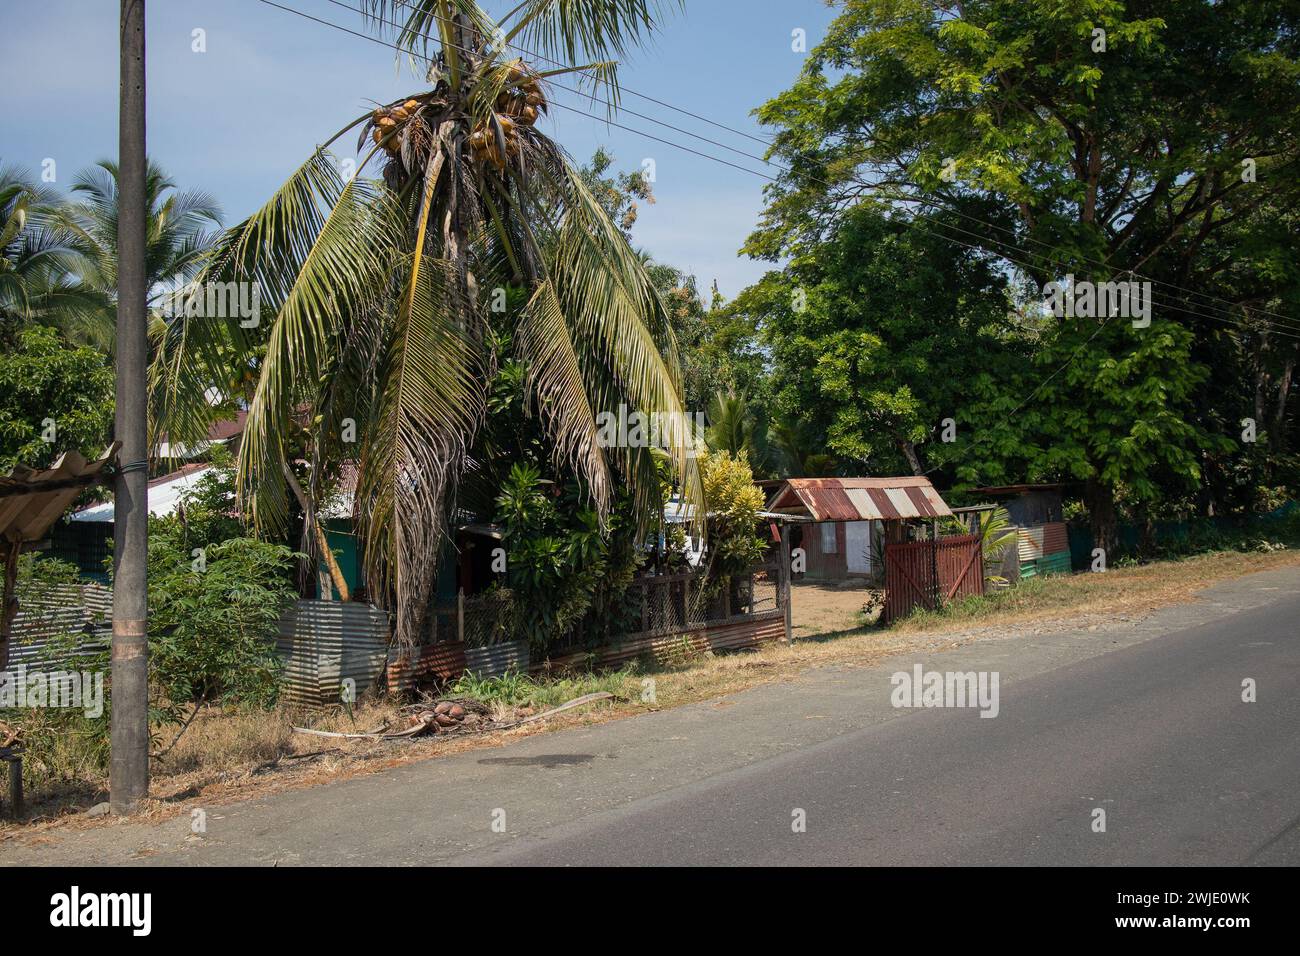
pixel 783 581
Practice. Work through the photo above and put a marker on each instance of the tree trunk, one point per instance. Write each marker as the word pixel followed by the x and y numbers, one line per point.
pixel 335 572
pixel 1099 497
pixel 9 607
pixel 909 452
pixel 1277 437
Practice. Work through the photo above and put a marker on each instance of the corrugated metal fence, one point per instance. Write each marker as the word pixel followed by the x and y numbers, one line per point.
pixel 47 618
pixel 928 574
pixel 326 643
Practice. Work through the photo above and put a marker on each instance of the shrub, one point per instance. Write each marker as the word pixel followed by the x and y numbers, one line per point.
pixel 733 502
pixel 213 618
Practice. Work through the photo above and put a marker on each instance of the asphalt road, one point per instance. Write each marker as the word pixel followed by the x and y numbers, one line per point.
pixel 1157 736
pixel 1140 717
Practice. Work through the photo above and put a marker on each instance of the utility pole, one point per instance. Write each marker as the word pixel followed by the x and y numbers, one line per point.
pixel 129 768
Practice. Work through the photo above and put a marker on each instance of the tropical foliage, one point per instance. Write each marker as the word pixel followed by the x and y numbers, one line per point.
pixel 1056 140
pixel 381 293
pixel 213 616
pixel 37 258
pixel 53 398
pixel 179 228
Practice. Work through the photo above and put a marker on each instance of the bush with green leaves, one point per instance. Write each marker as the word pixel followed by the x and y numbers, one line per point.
pixel 733 502
pixel 213 618
pixel 561 563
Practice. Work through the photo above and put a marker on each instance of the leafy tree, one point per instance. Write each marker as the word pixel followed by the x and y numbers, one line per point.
pixel 798 449
pixel 1064 133
pixel 53 398
pixel 873 333
pixel 382 293
pixel 620 193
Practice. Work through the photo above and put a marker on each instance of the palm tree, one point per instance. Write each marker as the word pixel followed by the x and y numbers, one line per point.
pixel 733 428
pixel 796 446
pixel 179 231
pixel 381 292
pixel 36 260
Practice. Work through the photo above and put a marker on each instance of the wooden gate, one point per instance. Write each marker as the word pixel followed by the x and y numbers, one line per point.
pixel 929 574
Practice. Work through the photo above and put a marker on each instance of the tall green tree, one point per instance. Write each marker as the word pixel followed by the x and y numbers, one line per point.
pixel 53 398
pixel 380 293
pixel 1067 133
pixel 873 335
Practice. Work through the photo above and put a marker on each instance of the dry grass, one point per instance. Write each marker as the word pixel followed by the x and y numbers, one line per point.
pixel 228 755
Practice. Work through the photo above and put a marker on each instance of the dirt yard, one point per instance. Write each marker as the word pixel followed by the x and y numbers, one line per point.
pixel 821 610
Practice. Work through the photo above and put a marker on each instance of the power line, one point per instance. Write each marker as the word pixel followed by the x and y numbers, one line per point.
pixel 1018 408
pixel 624 89
pixel 1292 323
pixel 1283 330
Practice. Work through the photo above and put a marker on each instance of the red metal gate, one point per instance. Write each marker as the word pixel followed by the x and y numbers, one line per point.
pixel 929 574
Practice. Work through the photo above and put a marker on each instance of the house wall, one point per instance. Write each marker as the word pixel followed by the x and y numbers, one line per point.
pixel 830 564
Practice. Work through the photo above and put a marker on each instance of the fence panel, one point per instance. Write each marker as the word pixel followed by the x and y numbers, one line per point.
pixel 927 574
pixel 324 643
pixel 55 612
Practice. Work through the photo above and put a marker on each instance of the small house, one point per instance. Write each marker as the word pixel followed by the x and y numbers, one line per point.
pixel 852 519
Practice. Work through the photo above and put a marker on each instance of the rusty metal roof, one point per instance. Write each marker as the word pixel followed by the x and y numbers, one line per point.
pixel 31 500
pixel 860 499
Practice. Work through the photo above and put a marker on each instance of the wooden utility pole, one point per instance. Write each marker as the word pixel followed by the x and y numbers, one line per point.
pixel 129 768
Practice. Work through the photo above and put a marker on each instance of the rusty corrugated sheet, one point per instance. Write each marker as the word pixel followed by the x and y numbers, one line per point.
pixel 496 660
pixel 860 499
pixel 26 511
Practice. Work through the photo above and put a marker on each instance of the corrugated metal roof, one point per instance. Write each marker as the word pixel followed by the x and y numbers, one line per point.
pixel 164 494
pixel 31 500
pixel 860 499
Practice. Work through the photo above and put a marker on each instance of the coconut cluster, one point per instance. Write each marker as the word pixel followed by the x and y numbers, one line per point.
pixel 388 120
pixel 520 104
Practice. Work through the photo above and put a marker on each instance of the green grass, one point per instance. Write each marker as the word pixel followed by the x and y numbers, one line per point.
pixel 517 690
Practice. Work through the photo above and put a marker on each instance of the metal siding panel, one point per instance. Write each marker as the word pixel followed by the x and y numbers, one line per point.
pixel 1055 538
pixel 497 659
pixel 323 643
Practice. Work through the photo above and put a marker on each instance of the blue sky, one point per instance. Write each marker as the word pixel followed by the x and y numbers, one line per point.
pixel 237 119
